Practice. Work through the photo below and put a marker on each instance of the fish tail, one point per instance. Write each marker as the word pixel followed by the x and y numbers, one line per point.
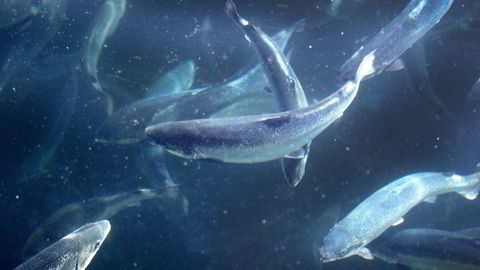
pixel 231 11
pixel 299 26
pixel 471 193
pixel 173 193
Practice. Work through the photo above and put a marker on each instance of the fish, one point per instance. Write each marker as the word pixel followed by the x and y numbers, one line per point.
pixel 104 25
pixel 285 85
pixel 429 249
pixel 91 210
pixel 470 232
pixel 394 39
pixel 256 138
pixel 157 171
pixel 246 84
pixel 418 78
pixel 180 78
pixel 40 159
pixel 127 125
pixel 42 29
pixel 74 251
pixel 386 207
pixel 45 69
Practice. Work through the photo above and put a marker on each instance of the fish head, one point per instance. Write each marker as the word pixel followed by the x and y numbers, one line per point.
pixel 174 137
pixel 88 239
pixel 337 244
pixel 119 130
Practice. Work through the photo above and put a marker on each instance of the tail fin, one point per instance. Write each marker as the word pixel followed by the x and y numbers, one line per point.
pixel 168 188
pixel 299 26
pixel 472 193
pixel 231 11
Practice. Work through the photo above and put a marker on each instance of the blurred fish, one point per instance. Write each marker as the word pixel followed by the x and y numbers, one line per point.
pixel 98 208
pixel 39 160
pixel 104 25
pixel 461 18
pixel 44 70
pixel 74 251
pixel 393 40
pixel 429 249
pixel 285 85
pixel 418 77
pixel 16 11
pixel 252 139
pixel 386 207
pixel 128 124
pixel 470 232
pixel 178 79
pixel 246 84
pixel 31 41
pixel 156 166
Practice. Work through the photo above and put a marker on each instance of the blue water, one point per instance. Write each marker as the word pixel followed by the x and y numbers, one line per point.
pixel 241 216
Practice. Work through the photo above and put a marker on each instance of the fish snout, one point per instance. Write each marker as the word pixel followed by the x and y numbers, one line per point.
pixel 324 255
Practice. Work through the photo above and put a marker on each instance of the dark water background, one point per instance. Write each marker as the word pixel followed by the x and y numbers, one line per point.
pixel 245 216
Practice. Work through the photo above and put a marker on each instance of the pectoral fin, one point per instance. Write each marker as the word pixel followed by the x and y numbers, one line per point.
pixel 300 153
pixel 365 253
pixel 431 199
pixel 396 65
pixel 294 168
pixel 398 222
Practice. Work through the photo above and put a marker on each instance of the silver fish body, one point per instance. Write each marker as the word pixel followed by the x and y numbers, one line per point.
pixel 285 85
pixel 73 252
pixel 127 125
pixel 252 139
pixel 256 138
pixel 386 207
pixel 394 39
pixel 424 249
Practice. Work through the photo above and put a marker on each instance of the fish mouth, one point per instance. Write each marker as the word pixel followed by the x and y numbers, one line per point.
pixel 326 256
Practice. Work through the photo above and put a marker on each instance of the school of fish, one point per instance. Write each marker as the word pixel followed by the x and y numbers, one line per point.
pixel 260 114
